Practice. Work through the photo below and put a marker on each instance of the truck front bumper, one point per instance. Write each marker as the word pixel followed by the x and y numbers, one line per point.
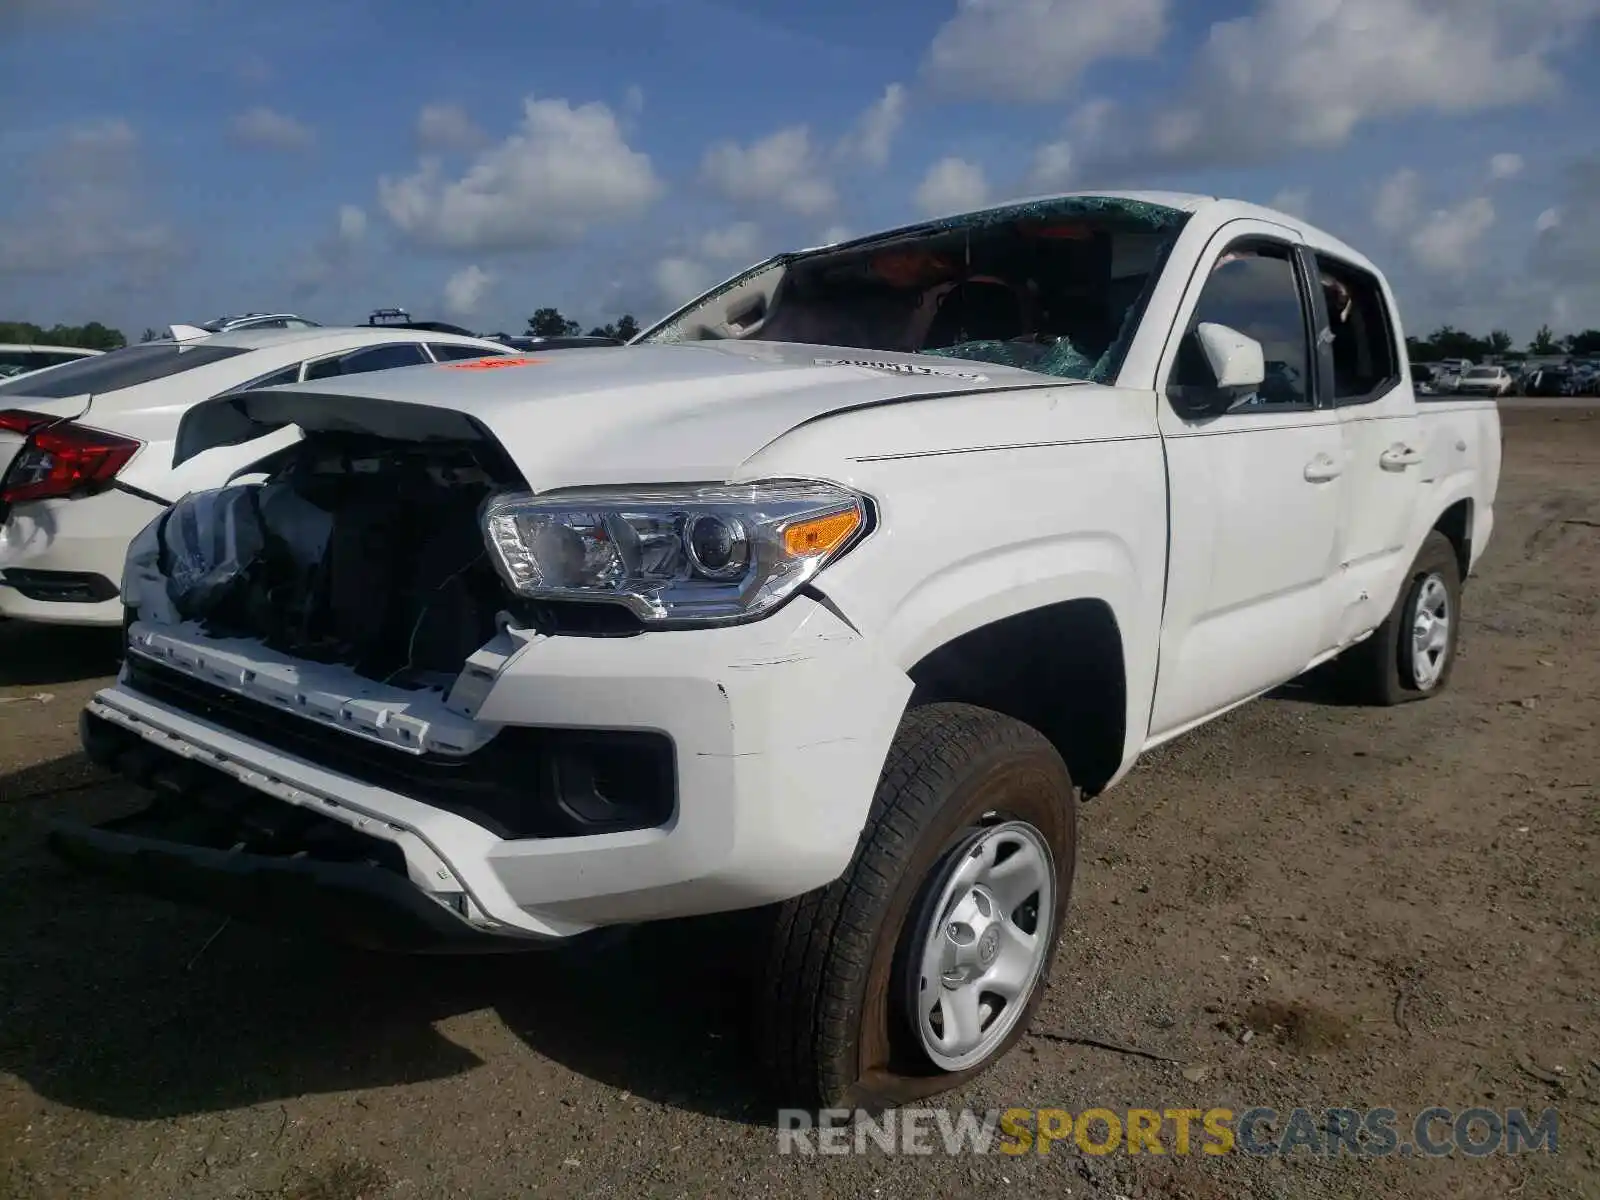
pixel 779 730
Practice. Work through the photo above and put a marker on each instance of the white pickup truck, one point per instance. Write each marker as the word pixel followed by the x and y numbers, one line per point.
pixel 828 596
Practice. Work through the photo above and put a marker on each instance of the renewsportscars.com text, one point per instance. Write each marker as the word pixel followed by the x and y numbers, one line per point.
pixel 1329 1132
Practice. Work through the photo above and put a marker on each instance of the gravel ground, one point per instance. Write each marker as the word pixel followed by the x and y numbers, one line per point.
pixel 1400 906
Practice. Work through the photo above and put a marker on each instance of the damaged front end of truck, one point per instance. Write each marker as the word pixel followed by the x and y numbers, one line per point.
pixel 344 612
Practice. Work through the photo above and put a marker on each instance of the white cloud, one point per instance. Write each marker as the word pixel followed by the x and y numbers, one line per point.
pixel 80 204
pixel 1090 120
pixel 633 100
pixel 1294 201
pixel 1307 73
pixel 782 168
pixel 952 185
pixel 330 257
pixel 465 291
pixel 1035 50
pixel 875 130
pixel 738 241
pixel 1505 166
pixel 680 280
pixel 1052 167
pixel 1399 199
pixel 272 130
pixel 447 127
pixel 834 234
pixel 562 171
pixel 352 223
pixel 1446 242
pixel 1566 250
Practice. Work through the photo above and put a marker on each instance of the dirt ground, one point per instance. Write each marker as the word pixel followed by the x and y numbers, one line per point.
pixel 1402 906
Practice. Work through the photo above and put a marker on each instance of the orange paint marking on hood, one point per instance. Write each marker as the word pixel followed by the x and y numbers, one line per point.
pixel 492 362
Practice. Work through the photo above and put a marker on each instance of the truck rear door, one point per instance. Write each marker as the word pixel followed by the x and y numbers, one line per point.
pixel 1362 375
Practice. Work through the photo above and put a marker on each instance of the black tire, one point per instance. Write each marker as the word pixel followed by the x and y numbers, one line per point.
pixel 832 1034
pixel 1379 671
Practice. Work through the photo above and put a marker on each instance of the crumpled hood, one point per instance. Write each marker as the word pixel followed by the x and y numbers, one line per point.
pixel 646 413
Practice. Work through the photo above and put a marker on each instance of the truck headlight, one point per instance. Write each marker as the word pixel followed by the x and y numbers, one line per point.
pixel 691 555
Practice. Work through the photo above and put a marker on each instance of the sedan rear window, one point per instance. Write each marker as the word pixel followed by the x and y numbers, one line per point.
pixel 119 369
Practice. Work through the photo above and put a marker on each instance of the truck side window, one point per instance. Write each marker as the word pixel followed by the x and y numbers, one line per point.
pixel 1255 289
pixel 1365 363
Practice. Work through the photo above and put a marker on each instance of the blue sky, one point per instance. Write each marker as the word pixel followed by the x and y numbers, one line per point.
pixel 172 160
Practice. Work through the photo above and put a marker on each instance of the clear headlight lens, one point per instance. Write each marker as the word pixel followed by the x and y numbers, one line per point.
pixel 694 554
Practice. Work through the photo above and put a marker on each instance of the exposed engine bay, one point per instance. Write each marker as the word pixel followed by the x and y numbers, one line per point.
pixel 356 550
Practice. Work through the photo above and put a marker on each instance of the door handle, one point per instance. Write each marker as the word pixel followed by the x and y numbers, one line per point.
pixel 1398 457
pixel 1322 468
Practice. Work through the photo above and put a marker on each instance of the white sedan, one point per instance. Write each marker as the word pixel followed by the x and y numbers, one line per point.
pixel 86 447
pixel 23 358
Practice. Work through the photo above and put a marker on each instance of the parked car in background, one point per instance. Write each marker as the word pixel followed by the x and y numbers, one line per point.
pixel 1486 381
pixel 258 321
pixel 829 594
pixel 1546 381
pixel 86 447
pixel 22 358
pixel 1446 380
pixel 529 345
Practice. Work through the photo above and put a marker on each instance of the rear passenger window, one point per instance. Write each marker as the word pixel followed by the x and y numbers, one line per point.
pixel 1365 362
pixel 377 358
pixel 384 358
pixel 451 352
pixel 1255 289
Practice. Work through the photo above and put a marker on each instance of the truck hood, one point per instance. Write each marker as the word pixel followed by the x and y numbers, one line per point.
pixel 648 413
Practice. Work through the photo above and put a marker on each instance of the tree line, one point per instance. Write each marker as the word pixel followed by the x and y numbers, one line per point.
pixel 549 322
pixel 1450 342
pixel 93 336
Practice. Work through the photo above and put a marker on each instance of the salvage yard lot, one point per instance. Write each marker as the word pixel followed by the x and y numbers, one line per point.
pixel 1402 908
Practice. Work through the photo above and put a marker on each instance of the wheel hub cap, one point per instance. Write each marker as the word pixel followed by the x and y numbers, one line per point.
pixel 984 944
pixel 1430 633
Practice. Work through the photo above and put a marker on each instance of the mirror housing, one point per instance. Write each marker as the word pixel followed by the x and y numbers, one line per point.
pixel 1237 361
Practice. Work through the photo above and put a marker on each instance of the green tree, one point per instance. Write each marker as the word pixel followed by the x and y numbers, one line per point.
pixel 1587 342
pixel 1498 341
pixel 93 336
pixel 1419 351
pixel 149 335
pixel 624 329
pixel 1450 342
pixel 1544 342
pixel 548 322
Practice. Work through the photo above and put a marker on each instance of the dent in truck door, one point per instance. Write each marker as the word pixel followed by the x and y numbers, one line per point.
pixel 1363 380
pixel 1254 493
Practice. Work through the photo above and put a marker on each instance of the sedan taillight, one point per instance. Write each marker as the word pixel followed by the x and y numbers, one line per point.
pixel 60 459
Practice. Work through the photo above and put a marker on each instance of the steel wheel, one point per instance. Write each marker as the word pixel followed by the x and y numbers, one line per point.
pixel 983 945
pixel 1430 633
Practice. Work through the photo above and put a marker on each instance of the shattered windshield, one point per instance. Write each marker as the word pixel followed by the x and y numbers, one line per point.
pixel 1055 286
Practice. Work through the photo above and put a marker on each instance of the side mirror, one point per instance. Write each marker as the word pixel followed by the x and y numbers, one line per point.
pixel 1236 360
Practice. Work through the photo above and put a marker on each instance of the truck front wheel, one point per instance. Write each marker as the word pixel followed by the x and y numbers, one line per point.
pixel 925 961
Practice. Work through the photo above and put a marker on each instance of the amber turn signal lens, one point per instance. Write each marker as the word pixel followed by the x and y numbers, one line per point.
pixel 821 535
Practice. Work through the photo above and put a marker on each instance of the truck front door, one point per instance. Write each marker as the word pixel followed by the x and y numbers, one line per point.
pixel 1254 492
